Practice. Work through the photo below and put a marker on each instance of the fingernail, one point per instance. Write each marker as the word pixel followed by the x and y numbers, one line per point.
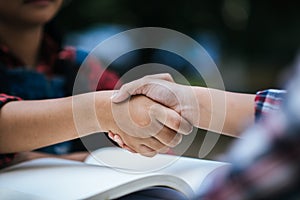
pixel 118 140
pixel 110 135
pixel 114 95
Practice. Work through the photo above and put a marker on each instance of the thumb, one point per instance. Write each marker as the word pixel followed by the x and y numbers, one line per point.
pixel 127 90
pixel 163 76
pixel 139 86
pixel 171 119
pixel 119 96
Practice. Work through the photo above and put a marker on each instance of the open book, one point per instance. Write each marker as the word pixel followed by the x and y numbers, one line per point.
pixel 107 173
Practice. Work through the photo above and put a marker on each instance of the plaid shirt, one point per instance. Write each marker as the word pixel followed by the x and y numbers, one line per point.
pixel 266 162
pixel 267 101
pixel 17 83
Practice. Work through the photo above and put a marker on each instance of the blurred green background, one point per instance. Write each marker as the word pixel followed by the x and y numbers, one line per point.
pixel 251 40
pixel 253 43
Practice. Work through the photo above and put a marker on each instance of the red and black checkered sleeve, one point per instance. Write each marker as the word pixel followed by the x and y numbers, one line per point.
pixel 6 158
pixel 4 98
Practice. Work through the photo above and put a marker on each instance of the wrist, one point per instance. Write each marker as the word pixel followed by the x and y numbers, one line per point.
pixel 202 110
pixel 92 112
pixel 103 110
pixel 189 104
pixel 212 109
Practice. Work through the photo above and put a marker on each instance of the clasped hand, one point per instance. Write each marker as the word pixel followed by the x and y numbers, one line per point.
pixel 153 127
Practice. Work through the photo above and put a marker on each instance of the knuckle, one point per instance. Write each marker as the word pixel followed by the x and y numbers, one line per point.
pixel 176 123
pixel 124 87
pixel 167 76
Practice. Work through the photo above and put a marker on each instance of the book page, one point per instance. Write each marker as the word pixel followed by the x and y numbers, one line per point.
pixel 191 171
pixel 54 178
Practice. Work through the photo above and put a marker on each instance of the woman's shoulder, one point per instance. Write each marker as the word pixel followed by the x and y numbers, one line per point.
pixel 105 79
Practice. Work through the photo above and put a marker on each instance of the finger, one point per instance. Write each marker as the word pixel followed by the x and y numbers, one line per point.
pixel 170 118
pixel 120 95
pixel 153 143
pixel 129 149
pixel 139 86
pixel 162 76
pixel 147 146
pixel 142 149
pixel 118 140
pixel 168 137
pixel 164 150
pixel 127 90
pixel 114 138
pixel 147 151
pixel 139 145
pixel 110 135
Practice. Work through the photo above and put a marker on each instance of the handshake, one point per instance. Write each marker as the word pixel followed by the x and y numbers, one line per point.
pixel 147 116
pixel 152 113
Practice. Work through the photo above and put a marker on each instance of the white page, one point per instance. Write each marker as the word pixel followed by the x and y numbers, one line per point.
pixel 53 178
pixel 191 170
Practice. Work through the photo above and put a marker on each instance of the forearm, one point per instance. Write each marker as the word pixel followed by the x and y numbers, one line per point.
pixel 27 125
pixel 224 112
pixel 210 109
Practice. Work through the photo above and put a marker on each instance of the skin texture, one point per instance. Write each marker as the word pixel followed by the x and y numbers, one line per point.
pixel 34 124
pixel 198 105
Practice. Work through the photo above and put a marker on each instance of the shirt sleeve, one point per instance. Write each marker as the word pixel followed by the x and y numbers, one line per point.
pixel 6 158
pixel 97 77
pixel 4 98
pixel 265 163
pixel 103 79
pixel 267 101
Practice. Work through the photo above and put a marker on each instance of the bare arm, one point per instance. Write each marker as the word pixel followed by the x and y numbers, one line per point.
pixel 238 108
pixel 27 125
pixel 210 109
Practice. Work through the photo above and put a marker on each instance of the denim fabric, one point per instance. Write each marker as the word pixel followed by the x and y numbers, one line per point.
pixel 32 85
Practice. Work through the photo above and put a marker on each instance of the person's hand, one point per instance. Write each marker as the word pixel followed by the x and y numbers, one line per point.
pixel 139 124
pixel 161 88
pixel 116 138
